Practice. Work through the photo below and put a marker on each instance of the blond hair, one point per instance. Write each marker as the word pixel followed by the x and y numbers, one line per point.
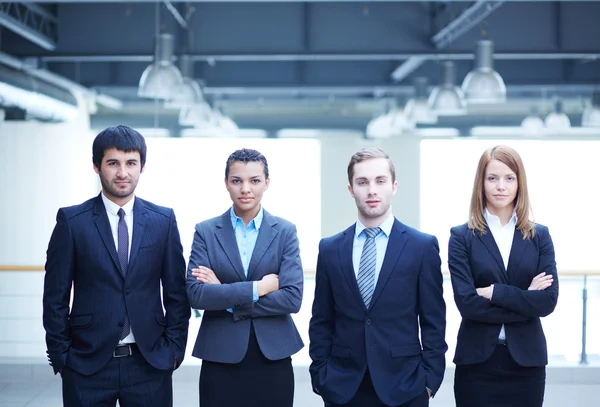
pixel 369 154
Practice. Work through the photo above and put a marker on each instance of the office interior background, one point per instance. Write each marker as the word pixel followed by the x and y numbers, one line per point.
pixel 433 83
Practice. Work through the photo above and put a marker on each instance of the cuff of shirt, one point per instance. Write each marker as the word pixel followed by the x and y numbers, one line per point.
pixel 255 291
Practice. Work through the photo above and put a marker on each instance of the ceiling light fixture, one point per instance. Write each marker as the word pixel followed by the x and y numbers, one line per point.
pixel 161 77
pixel 447 99
pixel 483 84
pixel 533 124
pixel 199 115
pixel 557 119
pixel 417 109
pixel 189 92
pixel 591 113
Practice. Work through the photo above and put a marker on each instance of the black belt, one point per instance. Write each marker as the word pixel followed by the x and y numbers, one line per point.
pixel 127 349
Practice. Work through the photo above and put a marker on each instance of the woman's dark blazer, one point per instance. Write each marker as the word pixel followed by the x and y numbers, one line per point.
pixel 475 261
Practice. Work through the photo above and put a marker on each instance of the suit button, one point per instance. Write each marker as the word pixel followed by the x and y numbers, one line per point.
pixel 127 292
pixel 368 322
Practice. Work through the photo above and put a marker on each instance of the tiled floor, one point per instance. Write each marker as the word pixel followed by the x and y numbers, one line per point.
pixel 35 386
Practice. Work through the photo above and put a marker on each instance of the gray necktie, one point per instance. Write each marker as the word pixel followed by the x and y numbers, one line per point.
pixel 366 269
pixel 123 254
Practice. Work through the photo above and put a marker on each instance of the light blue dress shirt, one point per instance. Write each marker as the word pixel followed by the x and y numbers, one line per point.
pixel 381 241
pixel 246 237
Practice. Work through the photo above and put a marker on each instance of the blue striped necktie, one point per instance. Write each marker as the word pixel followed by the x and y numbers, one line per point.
pixel 366 269
pixel 123 254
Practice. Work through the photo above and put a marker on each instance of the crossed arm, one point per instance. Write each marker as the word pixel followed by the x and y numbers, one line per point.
pixel 278 293
pixel 503 303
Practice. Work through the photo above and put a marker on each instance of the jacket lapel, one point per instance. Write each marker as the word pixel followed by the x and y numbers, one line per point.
pixel 488 240
pixel 139 223
pixel 226 238
pixel 266 235
pixel 396 242
pixel 516 252
pixel 347 267
pixel 103 226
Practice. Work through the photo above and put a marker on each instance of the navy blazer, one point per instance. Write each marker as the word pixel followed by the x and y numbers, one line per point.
pixel 346 337
pixel 82 253
pixel 223 335
pixel 475 261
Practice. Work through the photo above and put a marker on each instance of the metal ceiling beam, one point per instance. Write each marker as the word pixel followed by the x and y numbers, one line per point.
pixel 59 81
pixel 408 67
pixel 212 58
pixel 472 16
pixel 30 21
pixel 468 19
pixel 271 1
pixel 341 92
pixel 176 14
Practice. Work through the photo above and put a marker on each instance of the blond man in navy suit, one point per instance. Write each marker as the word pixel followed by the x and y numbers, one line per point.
pixel 377 332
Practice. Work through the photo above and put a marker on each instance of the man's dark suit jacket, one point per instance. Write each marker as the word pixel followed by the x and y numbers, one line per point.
pixel 82 252
pixel 400 337
pixel 475 261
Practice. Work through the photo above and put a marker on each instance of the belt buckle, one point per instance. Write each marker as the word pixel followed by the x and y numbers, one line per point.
pixel 129 353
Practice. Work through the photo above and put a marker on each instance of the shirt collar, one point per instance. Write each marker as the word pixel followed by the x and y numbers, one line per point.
pixel 113 208
pixel 257 220
pixel 386 226
pixel 489 218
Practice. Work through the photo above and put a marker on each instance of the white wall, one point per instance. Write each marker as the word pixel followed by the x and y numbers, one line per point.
pixel 42 167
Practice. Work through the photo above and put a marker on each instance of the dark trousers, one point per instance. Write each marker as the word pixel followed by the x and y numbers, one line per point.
pixel 499 382
pixel 366 397
pixel 130 380
pixel 254 382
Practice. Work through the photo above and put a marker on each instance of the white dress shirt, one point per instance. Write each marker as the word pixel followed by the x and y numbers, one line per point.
pixel 112 210
pixel 503 235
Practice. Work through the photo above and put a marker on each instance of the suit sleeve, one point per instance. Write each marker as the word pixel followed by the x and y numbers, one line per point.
pixel 470 304
pixel 174 292
pixel 58 281
pixel 288 299
pixel 432 315
pixel 213 297
pixel 532 303
pixel 322 322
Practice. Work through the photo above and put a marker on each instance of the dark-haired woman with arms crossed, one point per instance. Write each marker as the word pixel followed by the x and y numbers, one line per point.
pixel 245 272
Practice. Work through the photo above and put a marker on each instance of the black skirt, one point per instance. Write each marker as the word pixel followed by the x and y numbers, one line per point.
pixel 254 382
pixel 499 382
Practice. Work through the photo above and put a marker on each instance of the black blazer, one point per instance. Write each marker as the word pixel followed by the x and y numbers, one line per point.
pixel 400 338
pixel 475 261
pixel 82 252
